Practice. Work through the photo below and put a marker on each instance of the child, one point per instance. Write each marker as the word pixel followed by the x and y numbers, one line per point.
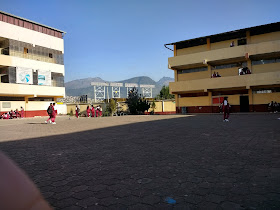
pixel 92 111
pixel 226 109
pixel 88 111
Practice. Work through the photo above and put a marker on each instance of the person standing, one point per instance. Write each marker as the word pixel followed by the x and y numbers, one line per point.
pixel 97 111
pixel 77 111
pixel 100 111
pixel 21 112
pixel 92 111
pixel 88 111
pixel 226 109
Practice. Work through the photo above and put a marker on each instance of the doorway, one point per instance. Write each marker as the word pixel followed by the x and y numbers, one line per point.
pixel 244 103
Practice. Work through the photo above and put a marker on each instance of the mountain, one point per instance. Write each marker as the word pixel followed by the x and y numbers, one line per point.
pixel 165 81
pixel 83 86
pixel 140 80
pixel 82 83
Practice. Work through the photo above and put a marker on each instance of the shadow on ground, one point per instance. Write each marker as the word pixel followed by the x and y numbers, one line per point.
pixel 200 162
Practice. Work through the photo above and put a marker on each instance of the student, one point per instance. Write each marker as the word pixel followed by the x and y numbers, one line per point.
pixel 49 111
pixel 97 111
pixel 21 112
pixel 226 109
pixel 92 111
pixel 232 44
pixel 88 111
pixel 53 116
pixel 214 75
pixel 100 111
pixel 77 111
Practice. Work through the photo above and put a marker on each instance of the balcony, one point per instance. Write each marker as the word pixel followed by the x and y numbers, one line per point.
pixel 9 89
pixel 226 54
pixel 245 81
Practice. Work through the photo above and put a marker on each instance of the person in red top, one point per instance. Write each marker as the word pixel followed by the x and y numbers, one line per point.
pixel 88 111
pixel 53 115
pixel 226 109
pixel 21 112
pixel 92 111
pixel 49 111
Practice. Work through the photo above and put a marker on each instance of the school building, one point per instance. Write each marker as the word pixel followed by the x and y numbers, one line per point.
pixel 31 65
pixel 194 62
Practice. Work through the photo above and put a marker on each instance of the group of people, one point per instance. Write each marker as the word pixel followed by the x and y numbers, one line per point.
pixel 91 111
pixel 215 75
pixel 274 107
pixel 244 70
pixel 13 114
pixel 52 112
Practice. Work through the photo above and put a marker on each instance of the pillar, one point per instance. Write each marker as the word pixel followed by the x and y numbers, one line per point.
pixel 175 50
pixel 208 44
pixel 251 105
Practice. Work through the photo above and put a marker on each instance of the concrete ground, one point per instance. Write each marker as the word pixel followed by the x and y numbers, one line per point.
pixel 150 162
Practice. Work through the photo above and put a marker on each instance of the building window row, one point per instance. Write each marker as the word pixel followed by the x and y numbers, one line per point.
pixel 265 61
pixel 229 65
pixel 192 70
pixel 29 25
pixel 267 90
pixel 29 51
pixel 32 77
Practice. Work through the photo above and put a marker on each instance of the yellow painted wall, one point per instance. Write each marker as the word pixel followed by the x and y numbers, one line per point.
pixel 265 98
pixel 193 76
pixel 223 44
pixel 265 37
pixel 14 105
pixel 194 101
pixel 169 106
pixel 263 68
pixel 191 50
pixel 227 72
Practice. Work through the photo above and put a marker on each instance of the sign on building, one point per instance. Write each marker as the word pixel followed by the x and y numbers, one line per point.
pixel 24 75
pixel 44 77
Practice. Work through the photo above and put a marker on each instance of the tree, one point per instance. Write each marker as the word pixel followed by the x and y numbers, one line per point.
pixel 136 104
pixel 164 93
pixel 112 106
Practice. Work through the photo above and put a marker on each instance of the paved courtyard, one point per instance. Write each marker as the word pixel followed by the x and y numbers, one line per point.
pixel 150 162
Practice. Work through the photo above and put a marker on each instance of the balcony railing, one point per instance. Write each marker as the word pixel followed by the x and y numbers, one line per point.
pixel 246 81
pixel 230 53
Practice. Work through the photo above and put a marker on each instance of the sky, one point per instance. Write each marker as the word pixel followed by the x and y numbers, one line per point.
pixel 120 39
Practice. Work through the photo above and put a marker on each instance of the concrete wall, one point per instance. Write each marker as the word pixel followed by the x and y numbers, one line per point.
pixel 31 90
pixel 265 37
pixel 190 50
pixel 29 36
pixel 265 98
pixel 263 68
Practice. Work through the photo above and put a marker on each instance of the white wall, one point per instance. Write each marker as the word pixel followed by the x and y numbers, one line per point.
pixel 33 64
pixel 11 31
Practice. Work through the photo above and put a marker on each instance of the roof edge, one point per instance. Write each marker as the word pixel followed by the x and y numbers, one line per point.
pixel 11 15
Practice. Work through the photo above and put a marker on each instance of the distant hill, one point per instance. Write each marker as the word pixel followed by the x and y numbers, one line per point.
pixel 82 83
pixel 165 81
pixel 83 86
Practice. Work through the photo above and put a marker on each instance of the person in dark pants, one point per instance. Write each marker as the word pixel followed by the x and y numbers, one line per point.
pixel 226 109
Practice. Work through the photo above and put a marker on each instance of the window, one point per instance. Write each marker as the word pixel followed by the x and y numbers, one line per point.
pixel 192 70
pixel 266 61
pixel 230 65
pixel 266 90
pixel 50 55
pixel 242 41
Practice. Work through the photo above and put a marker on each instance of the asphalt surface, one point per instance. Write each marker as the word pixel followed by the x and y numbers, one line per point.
pixel 150 162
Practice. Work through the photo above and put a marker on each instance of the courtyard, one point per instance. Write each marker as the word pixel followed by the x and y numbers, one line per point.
pixel 150 162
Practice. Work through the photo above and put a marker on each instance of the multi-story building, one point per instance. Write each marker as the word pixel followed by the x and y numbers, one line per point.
pixel 196 60
pixel 31 65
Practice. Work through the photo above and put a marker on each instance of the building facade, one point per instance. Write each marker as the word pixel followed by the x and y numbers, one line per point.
pixel 31 65
pixel 247 62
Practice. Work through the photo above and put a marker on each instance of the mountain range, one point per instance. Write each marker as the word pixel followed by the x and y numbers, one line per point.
pixel 83 86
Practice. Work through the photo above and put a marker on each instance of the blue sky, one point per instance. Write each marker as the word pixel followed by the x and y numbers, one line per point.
pixel 120 39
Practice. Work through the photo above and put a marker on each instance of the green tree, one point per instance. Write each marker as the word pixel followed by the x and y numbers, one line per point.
pixel 164 93
pixel 111 107
pixel 136 104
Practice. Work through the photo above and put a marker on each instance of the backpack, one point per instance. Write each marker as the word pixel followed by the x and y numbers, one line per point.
pixel 49 110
